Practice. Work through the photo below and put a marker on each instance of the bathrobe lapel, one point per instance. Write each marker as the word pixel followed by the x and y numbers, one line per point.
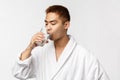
pixel 64 57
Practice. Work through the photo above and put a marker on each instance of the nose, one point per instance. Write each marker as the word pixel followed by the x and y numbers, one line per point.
pixel 48 27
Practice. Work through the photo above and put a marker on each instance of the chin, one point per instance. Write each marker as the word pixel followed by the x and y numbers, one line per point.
pixel 51 38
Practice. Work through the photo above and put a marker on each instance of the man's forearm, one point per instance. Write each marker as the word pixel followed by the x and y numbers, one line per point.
pixel 26 53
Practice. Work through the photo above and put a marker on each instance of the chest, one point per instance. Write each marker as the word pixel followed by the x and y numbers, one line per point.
pixel 69 70
pixel 58 53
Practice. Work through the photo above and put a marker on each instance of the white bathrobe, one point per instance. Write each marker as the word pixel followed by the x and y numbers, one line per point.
pixel 75 63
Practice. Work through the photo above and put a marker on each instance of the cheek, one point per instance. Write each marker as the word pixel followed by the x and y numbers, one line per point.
pixel 55 28
pixel 59 30
pixel 59 33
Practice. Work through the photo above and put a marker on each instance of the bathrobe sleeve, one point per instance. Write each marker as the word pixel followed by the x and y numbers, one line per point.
pixel 94 70
pixel 22 69
pixel 27 68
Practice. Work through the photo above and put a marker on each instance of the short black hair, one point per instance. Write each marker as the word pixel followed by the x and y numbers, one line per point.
pixel 60 10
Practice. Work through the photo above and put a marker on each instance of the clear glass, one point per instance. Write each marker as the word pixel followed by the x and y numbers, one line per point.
pixel 47 36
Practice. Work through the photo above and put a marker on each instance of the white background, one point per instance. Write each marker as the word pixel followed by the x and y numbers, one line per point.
pixel 94 23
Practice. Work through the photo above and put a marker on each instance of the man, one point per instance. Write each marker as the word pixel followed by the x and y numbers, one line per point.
pixel 61 58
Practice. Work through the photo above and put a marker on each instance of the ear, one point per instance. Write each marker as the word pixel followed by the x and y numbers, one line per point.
pixel 66 24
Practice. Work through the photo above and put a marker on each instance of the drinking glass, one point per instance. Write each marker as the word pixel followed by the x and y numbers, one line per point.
pixel 47 36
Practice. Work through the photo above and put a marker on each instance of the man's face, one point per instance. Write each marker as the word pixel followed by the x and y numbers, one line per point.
pixel 55 26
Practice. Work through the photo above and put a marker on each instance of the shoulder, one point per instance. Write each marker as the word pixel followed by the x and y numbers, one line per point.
pixel 86 55
pixel 82 52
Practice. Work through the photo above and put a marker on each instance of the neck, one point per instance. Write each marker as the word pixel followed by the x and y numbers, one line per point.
pixel 61 43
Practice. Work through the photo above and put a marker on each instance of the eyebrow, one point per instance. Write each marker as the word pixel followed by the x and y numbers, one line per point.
pixel 51 21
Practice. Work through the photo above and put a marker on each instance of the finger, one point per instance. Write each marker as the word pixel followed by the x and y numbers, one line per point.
pixel 40 33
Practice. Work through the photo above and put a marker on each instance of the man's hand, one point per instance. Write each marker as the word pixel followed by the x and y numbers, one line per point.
pixel 38 37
